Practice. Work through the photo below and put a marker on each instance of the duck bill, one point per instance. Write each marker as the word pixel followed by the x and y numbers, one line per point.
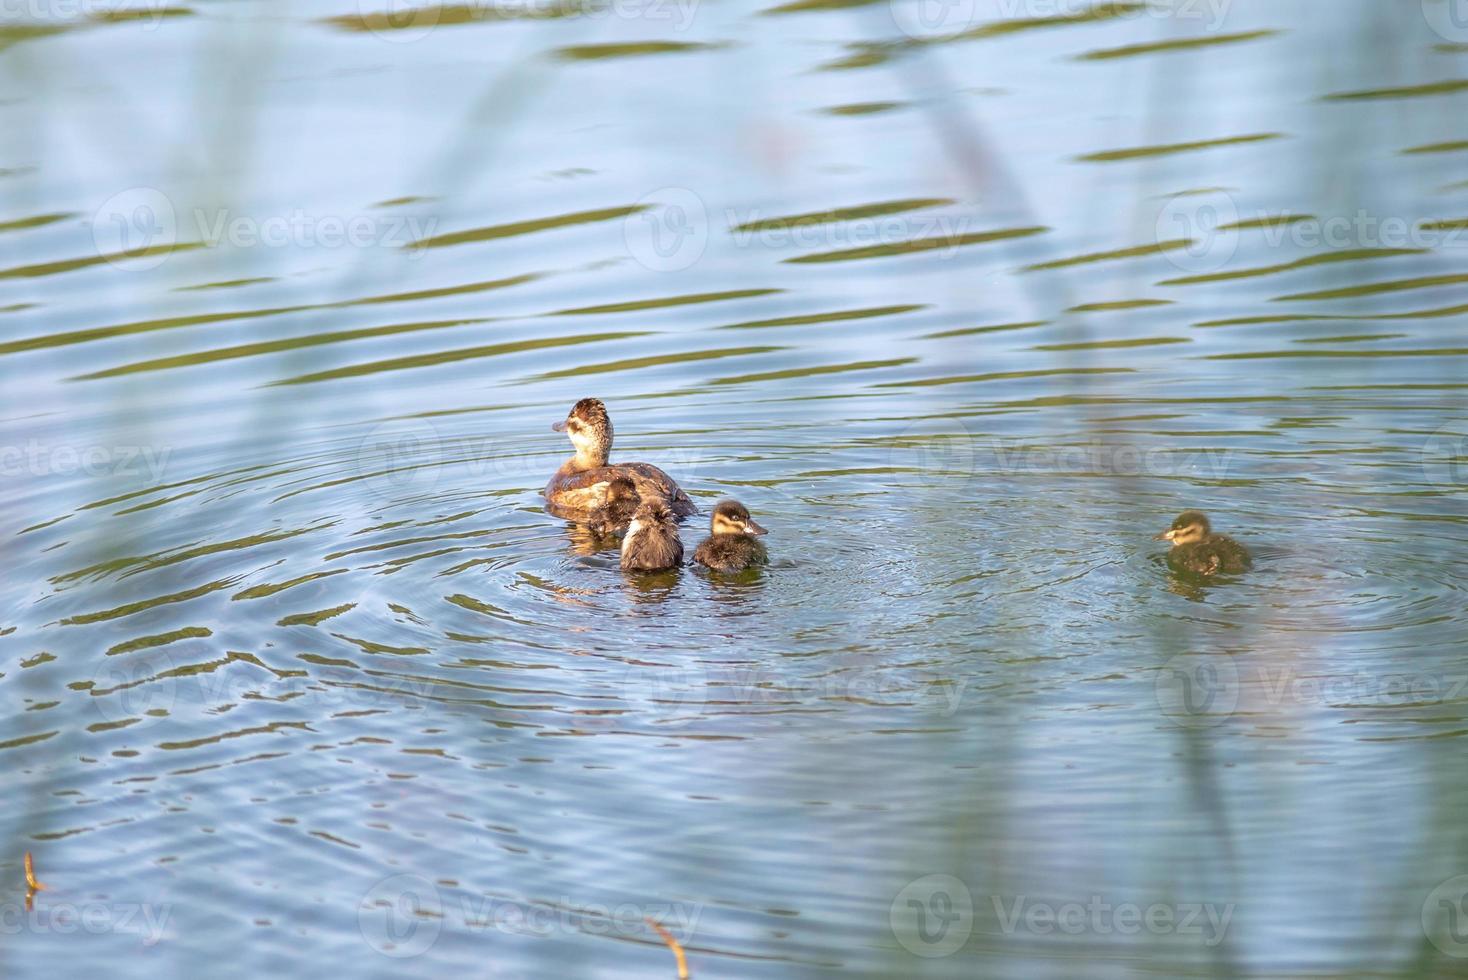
pixel 558 426
pixel 1165 536
pixel 752 528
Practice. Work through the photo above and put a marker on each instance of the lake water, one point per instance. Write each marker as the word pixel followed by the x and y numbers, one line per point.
pixel 965 301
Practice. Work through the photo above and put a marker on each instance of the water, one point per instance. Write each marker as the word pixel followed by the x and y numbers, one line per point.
pixel 301 677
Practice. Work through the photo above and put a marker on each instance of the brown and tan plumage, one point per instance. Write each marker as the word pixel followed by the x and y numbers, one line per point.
pixel 582 490
pixel 733 545
pixel 616 511
pixel 652 543
pixel 1196 550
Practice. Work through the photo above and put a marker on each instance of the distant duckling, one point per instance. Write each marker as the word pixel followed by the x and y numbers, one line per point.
pixel 1198 551
pixel 732 547
pixel 652 543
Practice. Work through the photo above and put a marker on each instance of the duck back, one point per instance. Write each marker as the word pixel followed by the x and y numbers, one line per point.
pixel 583 495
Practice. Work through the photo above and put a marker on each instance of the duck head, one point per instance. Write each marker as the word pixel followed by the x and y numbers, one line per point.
pixel 1190 526
pixel 732 517
pixel 590 430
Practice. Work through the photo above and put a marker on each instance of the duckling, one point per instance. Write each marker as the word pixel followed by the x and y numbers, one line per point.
pixel 580 490
pixel 1197 550
pixel 731 547
pixel 652 543
pixel 621 503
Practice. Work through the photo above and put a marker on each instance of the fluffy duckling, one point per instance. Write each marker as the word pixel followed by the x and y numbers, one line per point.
pixel 1197 550
pixel 652 543
pixel 581 489
pixel 732 546
pixel 621 503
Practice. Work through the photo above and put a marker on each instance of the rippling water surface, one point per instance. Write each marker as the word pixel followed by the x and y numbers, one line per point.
pixel 965 302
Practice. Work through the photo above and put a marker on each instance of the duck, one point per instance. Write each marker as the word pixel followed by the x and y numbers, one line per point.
pixel 582 489
pixel 652 543
pixel 731 545
pixel 1197 550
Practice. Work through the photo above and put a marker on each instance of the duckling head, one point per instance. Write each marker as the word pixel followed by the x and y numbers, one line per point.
pixel 590 430
pixel 653 511
pixel 1190 526
pixel 732 517
pixel 621 492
